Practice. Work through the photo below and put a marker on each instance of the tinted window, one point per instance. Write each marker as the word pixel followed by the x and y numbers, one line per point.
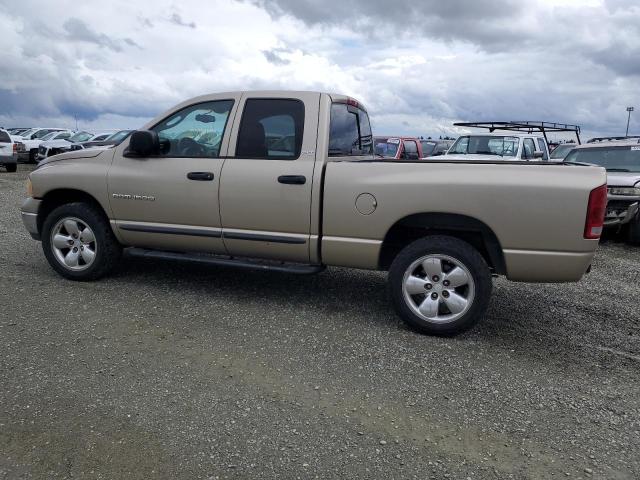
pixel 543 149
pixel 63 136
pixel 428 148
pixel 271 129
pixel 350 131
pixel 195 131
pixel 4 137
pixel 562 151
pixel 99 138
pixel 529 148
pixel 410 150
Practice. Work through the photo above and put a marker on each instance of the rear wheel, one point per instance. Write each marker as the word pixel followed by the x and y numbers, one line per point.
pixel 78 242
pixel 440 285
pixel 33 155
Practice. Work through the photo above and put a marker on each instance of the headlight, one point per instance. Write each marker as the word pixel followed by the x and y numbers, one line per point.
pixel 29 187
pixel 630 191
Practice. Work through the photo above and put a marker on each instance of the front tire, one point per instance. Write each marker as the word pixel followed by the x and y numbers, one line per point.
pixel 78 242
pixel 33 155
pixel 440 285
pixel 11 167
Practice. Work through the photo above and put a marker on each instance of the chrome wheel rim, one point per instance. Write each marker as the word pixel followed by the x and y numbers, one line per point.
pixel 438 288
pixel 73 243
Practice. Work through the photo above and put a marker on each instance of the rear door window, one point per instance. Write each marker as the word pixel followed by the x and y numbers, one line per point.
pixel 271 129
pixel 529 148
pixel 410 150
pixel 350 131
pixel 543 148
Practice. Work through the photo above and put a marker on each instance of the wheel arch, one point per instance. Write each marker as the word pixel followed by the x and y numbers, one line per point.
pixel 466 228
pixel 62 196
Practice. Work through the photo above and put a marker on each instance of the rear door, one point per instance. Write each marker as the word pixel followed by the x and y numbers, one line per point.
pixel 265 191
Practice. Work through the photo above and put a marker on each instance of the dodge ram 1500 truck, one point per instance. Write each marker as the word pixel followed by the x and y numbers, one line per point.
pixel 289 181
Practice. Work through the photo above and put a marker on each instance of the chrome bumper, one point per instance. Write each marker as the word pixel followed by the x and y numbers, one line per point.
pixel 30 216
pixel 621 216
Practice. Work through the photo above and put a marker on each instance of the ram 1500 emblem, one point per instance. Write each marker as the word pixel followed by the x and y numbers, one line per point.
pixel 126 196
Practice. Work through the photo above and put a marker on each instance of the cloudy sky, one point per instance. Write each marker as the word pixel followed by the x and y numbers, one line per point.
pixel 418 65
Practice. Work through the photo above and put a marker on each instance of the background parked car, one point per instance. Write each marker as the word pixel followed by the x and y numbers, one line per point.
pixel 621 159
pixel 399 148
pixel 113 139
pixel 561 151
pixel 435 148
pixel 31 140
pixel 500 146
pixel 8 153
pixel 53 147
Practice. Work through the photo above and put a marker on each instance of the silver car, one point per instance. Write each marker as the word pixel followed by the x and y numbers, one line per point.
pixel 622 161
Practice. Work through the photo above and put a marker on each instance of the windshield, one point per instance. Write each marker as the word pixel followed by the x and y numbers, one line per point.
pixel 49 136
pixel 29 132
pixel 486 145
pixel 388 149
pixel 119 136
pixel 80 137
pixel 562 151
pixel 614 159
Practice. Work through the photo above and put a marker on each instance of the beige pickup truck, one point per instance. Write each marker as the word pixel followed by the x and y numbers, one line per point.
pixel 288 181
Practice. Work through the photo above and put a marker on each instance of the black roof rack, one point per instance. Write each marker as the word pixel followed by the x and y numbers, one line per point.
pixel 613 139
pixel 525 127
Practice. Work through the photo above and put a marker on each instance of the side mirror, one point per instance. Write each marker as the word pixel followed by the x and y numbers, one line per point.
pixel 538 154
pixel 143 143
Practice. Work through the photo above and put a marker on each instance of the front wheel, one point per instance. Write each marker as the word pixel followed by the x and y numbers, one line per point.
pixel 78 242
pixel 440 285
pixel 11 167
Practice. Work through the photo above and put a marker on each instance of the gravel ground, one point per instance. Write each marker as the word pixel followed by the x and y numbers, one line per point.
pixel 166 370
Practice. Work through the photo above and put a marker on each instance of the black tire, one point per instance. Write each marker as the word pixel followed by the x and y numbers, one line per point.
pixel 33 155
pixel 464 254
pixel 634 231
pixel 108 250
pixel 11 167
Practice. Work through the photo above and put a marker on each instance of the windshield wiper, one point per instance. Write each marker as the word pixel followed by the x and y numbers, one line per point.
pixel 618 170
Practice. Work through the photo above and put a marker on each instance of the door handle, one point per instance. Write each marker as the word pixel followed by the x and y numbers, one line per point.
pixel 292 179
pixel 201 176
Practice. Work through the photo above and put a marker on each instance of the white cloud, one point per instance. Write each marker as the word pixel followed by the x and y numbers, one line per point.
pixel 115 64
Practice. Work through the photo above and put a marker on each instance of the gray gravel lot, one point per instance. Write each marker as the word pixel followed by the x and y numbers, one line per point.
pixel 168 370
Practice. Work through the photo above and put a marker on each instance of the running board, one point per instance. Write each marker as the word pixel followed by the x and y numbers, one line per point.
pixel 208 259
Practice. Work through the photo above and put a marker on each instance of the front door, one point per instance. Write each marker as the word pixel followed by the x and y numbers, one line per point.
pixel 170 201
pixel 265 194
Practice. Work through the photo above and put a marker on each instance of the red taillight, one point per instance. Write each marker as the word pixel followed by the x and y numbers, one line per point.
pixel 15 147
pixel 595 213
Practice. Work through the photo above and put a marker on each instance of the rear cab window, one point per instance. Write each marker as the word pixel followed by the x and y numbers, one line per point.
pixel 4 137
pixel 350 130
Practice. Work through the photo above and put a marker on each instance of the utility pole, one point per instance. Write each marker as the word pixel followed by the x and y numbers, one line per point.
pixel 629 109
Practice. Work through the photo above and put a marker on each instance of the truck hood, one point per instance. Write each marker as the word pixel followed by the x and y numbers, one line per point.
pixel 56 143
pixel 623 179
pixel 73 155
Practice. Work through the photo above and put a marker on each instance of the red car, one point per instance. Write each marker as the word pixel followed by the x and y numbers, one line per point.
pixel 400 148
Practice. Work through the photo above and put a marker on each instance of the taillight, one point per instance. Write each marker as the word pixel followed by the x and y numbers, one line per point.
pixel 595 213
pixel 15 148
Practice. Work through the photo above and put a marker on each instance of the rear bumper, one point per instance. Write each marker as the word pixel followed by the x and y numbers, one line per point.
pixel 30 209
pixel 547 267
pixel 9 159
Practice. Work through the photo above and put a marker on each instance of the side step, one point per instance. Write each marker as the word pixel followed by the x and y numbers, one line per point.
pixel 254 264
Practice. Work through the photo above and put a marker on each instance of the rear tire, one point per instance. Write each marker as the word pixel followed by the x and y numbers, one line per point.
pixel 33 154
pixel 78 242
pixel 440 285
pixel 634 231
pixel 11 167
